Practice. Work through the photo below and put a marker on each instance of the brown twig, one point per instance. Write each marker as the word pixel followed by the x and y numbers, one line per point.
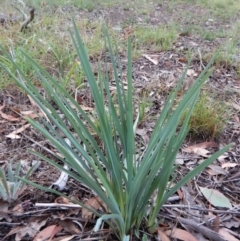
pixel 28 20
pixel 210 234
pixel 202 209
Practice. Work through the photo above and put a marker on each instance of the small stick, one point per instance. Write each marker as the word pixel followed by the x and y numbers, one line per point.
pixel 200 57
pixel 201 209
pixel 59 205
pixel 28 20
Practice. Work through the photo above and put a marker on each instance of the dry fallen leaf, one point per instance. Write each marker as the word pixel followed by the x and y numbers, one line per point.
pixel 33 103
pixel 200 148
pixel 7 117
pixel 224 233
pixel 18 210
pixel 182 60
pixel 14 231
pixel 216 224
pixel 202 145
pixel 190 72
pixel 94 203
pixel 85 108
pixel 13 135
pixel 69 226
pixel 181 158
pixel 236 106
pixel 152 58
pixel 25 232
pixel 215 170
pixel 48 233
pixel 62 200
pixel 162 236
pixel 228 164
pixel 181 234
pixel 143 134
pixel 4 209
pixel 202 152
pixel 236 118
pixel 222 158
pixel 64 238
pixel 231 223
pixel 31 114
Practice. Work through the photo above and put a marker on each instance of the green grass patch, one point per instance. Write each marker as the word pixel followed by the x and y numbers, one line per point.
pixel 47 41
pixel 155 38
pixel 209 116
pixel 224 9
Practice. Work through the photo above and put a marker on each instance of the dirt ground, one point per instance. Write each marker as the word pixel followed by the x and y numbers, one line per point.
pixel 158 72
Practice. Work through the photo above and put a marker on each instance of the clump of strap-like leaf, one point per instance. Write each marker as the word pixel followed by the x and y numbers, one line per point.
pixel 10 186
pixel 124 181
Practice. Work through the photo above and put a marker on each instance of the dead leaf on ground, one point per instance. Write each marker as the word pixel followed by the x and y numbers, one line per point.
pixel 48 233
pixel 7 117
pixel 31 114
pixel 180 158
pixel 216 224
pixel 18 210
pixel 215 170
pixel 205 144
pixel 34 225
pixel 236 106
pixel 4 209
pixel 86 108
pixel 228 164
pixel 33 103
pixel 25 232
pixel 14 231
pixel 180 234
pixel 64 238
pixel 224 233
pixel 13 135
pixel 231 223
pixel 182 60
pixel 202 152
pixel 222 158
pixel 69 226
pixel 143 134
pixel 162 236
pixel 62 200
pixel 16 111
pixel 191 72
pixel 236 118
pixel 152 58
pixel 200 148
pixel 94 203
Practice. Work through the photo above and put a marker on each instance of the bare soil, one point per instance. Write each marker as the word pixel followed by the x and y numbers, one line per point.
pixel 158 79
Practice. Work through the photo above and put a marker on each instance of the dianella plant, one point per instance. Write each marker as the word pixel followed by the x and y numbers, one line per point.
pixel 125 178
pixel 10 186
